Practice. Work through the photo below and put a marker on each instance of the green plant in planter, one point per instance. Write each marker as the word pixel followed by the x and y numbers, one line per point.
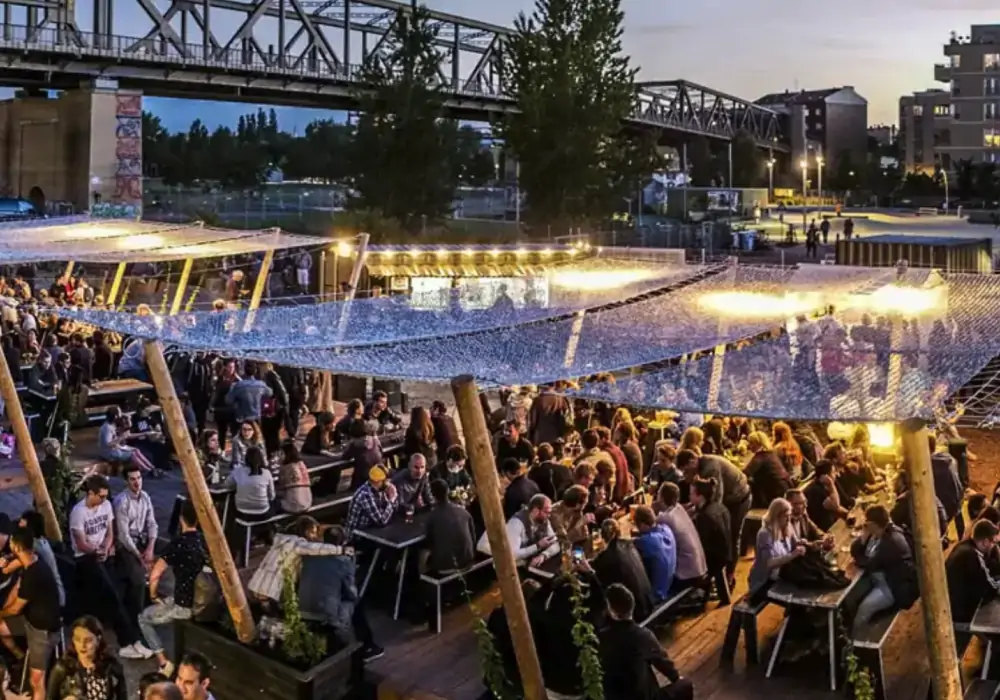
pixel 859 677
pixel 300 642
pixel 585 639
pixel 494 674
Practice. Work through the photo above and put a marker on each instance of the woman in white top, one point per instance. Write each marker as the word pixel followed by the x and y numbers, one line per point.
pixel 254 486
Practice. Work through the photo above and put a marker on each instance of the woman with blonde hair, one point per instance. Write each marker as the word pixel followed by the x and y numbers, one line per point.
pixel 776 546
pixel 692 440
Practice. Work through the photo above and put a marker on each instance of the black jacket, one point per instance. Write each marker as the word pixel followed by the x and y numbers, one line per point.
pixel 620 562
pixel 552 478
pixel 548 417
pixel 972 578
pixel 713 525
pixel 894 559
pixel 947 486
pixel 517 495
pixel 445 434
pixel 768 478
pixel 629 654
pixel 69 682
pixel 552 621
pixel 451 538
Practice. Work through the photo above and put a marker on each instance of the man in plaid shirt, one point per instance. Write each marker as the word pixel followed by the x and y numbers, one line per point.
pixel 373 503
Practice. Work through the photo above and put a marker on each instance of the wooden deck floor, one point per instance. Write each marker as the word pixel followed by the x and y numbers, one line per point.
pixel 421 666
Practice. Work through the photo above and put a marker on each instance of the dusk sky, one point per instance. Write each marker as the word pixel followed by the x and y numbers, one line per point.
pixel 884 48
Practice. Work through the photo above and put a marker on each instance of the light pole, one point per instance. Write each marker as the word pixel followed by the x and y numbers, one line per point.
pixel 819 174
pixel 770 178
pixel 804 164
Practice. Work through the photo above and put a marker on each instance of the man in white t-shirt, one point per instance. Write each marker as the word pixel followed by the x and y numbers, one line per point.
pixel 91 525
pixel 194 675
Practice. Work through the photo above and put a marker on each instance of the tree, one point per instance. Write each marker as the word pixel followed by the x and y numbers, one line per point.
pixel 402 162
pixel 748 161
pixel 965 182
pixel 472 159
pixel 565 67
pixel 844 176
pixel 701 165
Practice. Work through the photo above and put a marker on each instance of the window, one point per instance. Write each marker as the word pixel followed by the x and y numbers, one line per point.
pixel 989 157
pixel 991 86
pixel 990 111
pixel 991 61
pixel 991 138
pixel 942 110
pixel 956 61
pixel 955 91
pixel 918 110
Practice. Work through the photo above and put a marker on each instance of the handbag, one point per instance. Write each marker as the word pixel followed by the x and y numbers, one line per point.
pixel 268 407
pixel 208 603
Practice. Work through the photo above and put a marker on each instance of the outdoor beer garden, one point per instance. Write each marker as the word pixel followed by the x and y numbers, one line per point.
pixel 790 430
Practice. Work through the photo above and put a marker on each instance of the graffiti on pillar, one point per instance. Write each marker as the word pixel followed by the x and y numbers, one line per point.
pixel 106 210
pixel 128 149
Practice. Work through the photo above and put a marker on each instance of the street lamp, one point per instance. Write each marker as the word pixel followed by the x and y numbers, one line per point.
pixel 770 178
pixel 804 164
pixel 819 174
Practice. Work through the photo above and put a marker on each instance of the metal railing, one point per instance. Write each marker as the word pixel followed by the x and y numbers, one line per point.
pixel 60 40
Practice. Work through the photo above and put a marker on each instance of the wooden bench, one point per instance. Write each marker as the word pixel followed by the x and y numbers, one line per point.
pixel 439 581
pixel 666 605
pixel 982 690
pixel 749 529
pixel 743 618
pixel 280 518
pixel 868 644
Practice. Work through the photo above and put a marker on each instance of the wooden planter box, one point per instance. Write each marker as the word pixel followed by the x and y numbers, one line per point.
pixel 243 671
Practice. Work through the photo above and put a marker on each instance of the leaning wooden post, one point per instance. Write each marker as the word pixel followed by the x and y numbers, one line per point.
pixel 945 678
pixel 182 284
pixel 26 451
pixel 477 443
pixel 116 283
pixel 258 289
pixel 218 549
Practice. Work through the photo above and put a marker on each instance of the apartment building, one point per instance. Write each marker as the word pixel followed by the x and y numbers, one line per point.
pixel 973 75
pixel 832 121
pixel 924 130
pixel 884 134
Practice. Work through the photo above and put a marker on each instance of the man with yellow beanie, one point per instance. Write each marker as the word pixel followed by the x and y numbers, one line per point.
pixel 373 503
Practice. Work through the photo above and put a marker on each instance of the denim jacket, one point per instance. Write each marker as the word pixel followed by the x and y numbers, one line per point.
pixel 327 589
pixel 245 396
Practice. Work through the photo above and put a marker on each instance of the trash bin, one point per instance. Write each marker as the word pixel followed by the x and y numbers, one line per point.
pixel 749 239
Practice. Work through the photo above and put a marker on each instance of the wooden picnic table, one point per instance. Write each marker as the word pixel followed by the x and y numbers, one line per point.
pixel 828 602
pixel 400 535
pixel 102 390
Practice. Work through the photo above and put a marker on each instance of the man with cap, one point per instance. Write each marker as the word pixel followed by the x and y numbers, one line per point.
pixel 373 503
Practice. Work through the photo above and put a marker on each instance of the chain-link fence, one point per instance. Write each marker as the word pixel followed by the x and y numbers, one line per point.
pixel 247 209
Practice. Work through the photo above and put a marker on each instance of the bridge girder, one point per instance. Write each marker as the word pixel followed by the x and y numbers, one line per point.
pixel 252 48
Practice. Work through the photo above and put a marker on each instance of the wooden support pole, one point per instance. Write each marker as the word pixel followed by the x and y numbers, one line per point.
pixel 574 339
pixel 182 284
pixel 359 265
pixel 945 678
pixel 69 270
pixel 322 276
pixel 208 518
pixel 258 289
pixel 26 451
pixel 477 442
pixel 116 284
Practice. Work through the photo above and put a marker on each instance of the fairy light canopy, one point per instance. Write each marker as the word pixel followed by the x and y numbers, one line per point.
pixel 896 345
pixel 82 239
pixel 380 321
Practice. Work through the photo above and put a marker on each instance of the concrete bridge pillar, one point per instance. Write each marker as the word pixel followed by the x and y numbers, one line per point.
pixel 84 143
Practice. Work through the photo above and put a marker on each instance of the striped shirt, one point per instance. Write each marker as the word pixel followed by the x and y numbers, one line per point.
pixel 135 521
pixel 269 579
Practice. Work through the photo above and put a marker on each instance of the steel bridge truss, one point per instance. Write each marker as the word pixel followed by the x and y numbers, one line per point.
pixel 328 40
pixel 696 109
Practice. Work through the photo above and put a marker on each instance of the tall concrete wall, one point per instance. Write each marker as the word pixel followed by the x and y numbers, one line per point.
pixel 84 143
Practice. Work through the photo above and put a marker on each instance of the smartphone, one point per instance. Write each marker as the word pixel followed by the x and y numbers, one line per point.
pixel 578 554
